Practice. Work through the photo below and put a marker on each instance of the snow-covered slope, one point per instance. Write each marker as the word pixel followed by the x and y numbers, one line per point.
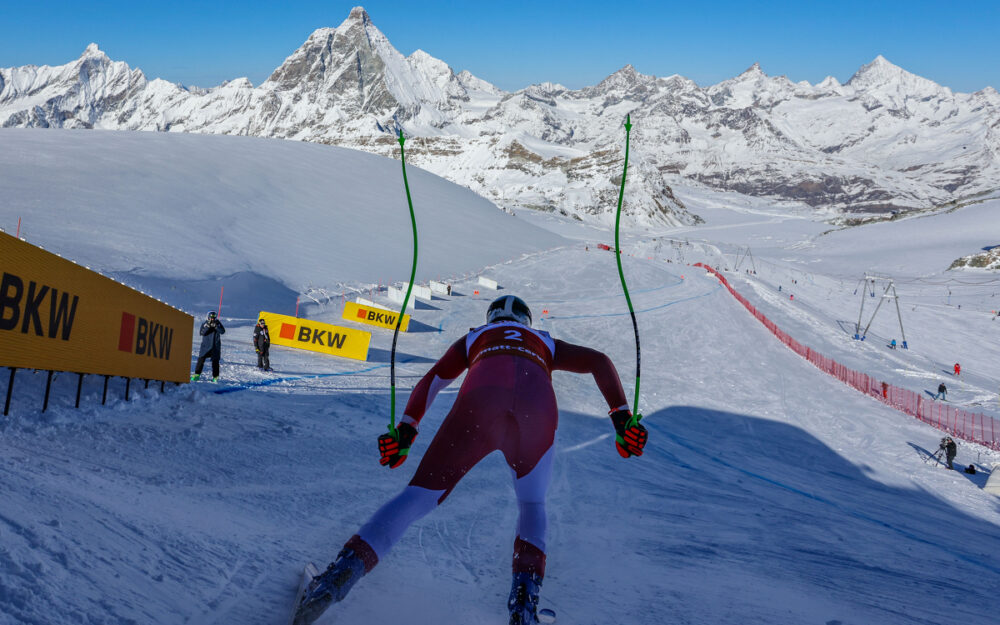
pixel 885 140
pixel 769 493
pixel 288 217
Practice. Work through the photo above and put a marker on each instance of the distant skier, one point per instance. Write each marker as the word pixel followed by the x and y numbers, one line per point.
pixel 211 346
pixel 506 403
pixel 958 369
pixel 892 344
pixel 950 449
pixel 262 343
pixel 942 392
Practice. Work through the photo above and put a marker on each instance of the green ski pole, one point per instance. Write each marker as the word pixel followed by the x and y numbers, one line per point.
pixel 406 298
pixel 621 274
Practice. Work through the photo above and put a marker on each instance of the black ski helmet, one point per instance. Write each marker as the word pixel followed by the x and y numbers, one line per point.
pixel 509 307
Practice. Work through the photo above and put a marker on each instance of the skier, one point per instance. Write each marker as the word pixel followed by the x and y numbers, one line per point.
pixel 262 343
pixel 958 369
pixel 211 346
pixel 950 448
pixel 506 403
pixel 892 344
pixel 942 392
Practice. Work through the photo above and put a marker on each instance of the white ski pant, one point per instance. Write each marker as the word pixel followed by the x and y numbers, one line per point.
pixel 384 529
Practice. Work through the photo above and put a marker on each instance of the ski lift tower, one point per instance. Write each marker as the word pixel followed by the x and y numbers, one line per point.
pixel 868 287
pixel 743 255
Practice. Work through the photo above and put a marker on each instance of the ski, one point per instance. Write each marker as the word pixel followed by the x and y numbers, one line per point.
pixel 308 573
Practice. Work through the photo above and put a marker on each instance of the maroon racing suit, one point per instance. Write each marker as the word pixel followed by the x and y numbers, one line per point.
pixel 506 403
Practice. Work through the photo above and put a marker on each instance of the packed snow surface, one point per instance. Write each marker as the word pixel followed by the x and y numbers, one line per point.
pixel 769 492
pixel 189 208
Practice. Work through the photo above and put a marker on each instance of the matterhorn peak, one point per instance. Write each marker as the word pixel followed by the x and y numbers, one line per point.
pixel 358 14
pixel 93 51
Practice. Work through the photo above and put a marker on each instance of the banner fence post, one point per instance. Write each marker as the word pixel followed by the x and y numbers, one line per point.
pixel 79 386
pixel 48 386
pixel 10 387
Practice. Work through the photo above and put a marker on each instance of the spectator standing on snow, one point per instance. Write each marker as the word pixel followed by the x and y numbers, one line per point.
pixel 942 390
pixel 211 346
pixel 950 448
pixel 506 403
pixel 958 368
pixel 262 343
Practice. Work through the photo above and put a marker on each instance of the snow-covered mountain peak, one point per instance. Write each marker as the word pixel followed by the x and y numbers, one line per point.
pixel 676 83
pixel 751 88
pixel 752 73
pixel 93 51
pixel 547 89
pixel 470 81
pixel 625 79
pixel 430 65
pixel 880 73
pixel 829 83
pixel 358 14
pixel 882 84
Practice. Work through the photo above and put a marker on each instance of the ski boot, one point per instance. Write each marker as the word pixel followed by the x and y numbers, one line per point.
pixel 196 377
pixel 215 380
pixel 329 587
pixel 523 601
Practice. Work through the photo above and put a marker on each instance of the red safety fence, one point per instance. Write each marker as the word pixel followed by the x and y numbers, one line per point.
pixel 969 426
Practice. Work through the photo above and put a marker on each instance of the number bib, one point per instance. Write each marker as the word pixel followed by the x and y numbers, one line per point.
pixel 509 338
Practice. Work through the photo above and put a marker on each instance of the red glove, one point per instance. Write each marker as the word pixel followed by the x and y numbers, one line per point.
pixel 629 439
pixel 394 449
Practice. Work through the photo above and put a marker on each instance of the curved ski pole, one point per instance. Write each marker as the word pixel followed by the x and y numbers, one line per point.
pixel 406 298
pixel 621 274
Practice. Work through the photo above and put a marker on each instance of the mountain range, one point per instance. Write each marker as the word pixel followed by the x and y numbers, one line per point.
pixel 886 140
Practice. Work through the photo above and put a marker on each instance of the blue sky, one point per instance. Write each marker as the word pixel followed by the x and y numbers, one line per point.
pixel 514 44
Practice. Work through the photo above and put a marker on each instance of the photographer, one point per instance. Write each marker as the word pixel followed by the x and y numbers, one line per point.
pixel 211 346
pixel 950 448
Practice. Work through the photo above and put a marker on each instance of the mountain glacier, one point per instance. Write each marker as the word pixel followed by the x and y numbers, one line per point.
pixel 885 140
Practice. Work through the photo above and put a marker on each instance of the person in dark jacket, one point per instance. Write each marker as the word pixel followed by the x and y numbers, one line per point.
pixel 942 391
pixel 262 343
pixel 211 346
pixel 950 449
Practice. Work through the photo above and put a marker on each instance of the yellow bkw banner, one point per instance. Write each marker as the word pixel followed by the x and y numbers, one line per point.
pixel 59 316
pixel 374 316
pixel 325 338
